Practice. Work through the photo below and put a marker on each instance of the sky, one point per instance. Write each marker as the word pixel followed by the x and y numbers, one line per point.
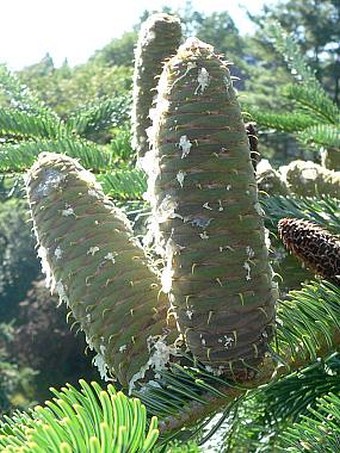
pixel 75 29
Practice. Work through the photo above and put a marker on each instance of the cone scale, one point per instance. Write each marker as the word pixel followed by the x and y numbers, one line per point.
pixel 206 217
pixel 98 269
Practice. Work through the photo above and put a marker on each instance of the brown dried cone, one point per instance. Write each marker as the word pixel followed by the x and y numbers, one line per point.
pixel 159 39
pixel 318 249
pixel 253 143
pixel 207 218
pixel 92 260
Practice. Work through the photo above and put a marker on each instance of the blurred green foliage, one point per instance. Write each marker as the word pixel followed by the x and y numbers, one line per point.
pixel 19 264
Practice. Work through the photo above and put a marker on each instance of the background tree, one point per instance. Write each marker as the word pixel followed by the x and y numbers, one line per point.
pixel 119 52
pixel 314 117
pixel 315 26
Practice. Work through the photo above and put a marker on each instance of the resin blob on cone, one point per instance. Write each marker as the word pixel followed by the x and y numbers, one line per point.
pixel 207 220
pixel 91 259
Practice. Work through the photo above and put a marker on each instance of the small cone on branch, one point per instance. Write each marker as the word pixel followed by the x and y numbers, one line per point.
pixel 317 248
pixel 269 180
pixel 253 143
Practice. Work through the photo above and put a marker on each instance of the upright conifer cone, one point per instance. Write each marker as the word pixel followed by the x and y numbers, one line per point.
pixel 309 179
pixel 98 269
pixel 206 214
pixel 159 39
pixel 318 249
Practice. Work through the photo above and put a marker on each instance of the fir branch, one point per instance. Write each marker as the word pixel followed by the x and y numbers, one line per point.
pixel 308 328
pixel 317 432
pixel 20 97
pixel 290 397
pixel 307 92
pixel 120 146
pixel 266 412
pixel 26 125
pixel 309 321
pixel 287 122
pixel 326 135
pixel 100 116
pixel 19 157
pixel 324 210
pixel 124 184
pixel 314 101
pixel 90 419
pixel 286 45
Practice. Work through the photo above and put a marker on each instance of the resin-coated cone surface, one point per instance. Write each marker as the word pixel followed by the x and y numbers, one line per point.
pixel 206 214
pixel 98 268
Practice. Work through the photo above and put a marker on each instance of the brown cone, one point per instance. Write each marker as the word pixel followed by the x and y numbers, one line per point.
pixel 317 248
pixel 253 143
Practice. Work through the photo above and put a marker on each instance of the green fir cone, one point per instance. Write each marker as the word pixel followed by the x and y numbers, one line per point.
pixel 207 220
pixel 330 158
pixel 318 249
pixel 309 179
pixel 159 39
pixel 99 270
pixel 269 180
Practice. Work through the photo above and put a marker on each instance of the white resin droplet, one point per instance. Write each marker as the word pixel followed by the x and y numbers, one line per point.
pixel 185 145
pixel 246 266
pixel 92 250
pixel 68 211
pixel 203 80
pixel 180 177
pixel 58 253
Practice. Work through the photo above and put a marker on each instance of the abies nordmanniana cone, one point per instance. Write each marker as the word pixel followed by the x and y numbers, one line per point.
pixel 98 269
pixel 316 247
pixel 159 38
pixel 307 178
pixel 207 220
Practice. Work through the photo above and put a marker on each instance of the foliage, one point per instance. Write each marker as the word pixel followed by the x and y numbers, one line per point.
pixel 43 340
pixel 322 210
pixel 100 116
pixel 315 117
pixel 16 386
pixel 19 265
pixel 90 133
pixel 65 89
pixel 313 24
pixel 262 421
pixel 75 421
pixel 119 52
pixel 318 431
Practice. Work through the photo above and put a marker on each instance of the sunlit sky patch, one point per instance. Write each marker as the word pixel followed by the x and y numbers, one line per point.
pixel 75 29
